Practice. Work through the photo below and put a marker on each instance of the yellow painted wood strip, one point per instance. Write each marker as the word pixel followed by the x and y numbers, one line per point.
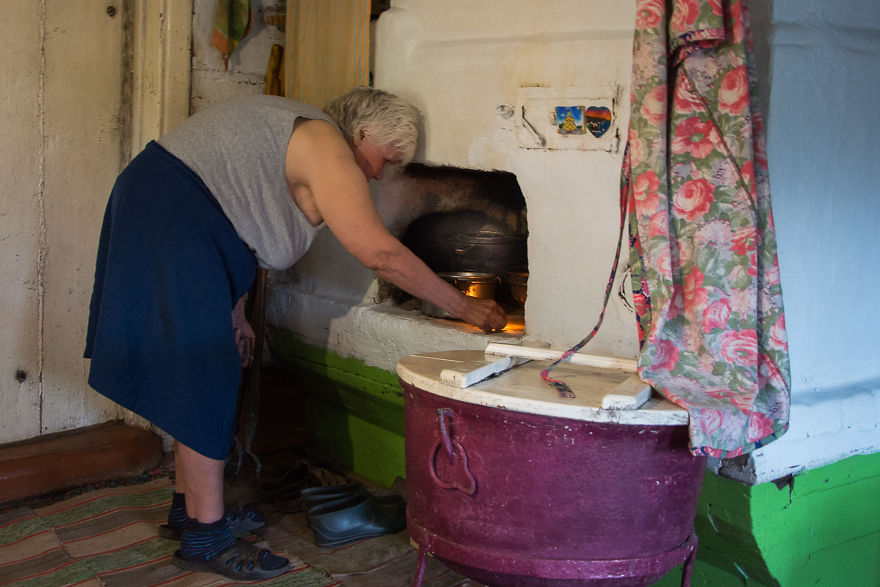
pixel 327 50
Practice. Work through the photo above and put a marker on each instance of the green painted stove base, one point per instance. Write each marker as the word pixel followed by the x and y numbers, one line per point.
pixel 821 529
pixel 354 411
pixel 356 444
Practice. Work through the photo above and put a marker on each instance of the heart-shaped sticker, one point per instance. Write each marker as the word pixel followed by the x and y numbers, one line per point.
pixel 597 120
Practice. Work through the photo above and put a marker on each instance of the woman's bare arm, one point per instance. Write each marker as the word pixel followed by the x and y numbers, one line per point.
pixel 320 160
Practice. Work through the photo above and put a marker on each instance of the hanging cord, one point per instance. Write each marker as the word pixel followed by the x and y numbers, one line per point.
pixel 562 388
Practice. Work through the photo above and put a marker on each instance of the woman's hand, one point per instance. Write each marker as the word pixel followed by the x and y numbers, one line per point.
pixel 485 314
pixel 244 334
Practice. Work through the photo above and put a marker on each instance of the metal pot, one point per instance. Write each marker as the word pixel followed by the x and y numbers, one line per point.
pixel 518 282
pixel 473 283
pixel 487 251
pixel 470 283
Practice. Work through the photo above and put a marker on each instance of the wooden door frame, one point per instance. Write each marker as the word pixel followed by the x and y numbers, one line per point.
pixel 160 42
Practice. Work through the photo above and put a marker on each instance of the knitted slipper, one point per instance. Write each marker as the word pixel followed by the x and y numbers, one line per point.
pixel 241 521
pixel 240 562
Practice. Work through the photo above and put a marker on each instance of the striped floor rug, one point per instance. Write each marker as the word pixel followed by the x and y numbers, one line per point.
pixel 108 538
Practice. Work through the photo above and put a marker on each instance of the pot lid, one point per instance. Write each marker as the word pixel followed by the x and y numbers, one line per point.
pixel 486 237
pixel 471 276
pixel 521 389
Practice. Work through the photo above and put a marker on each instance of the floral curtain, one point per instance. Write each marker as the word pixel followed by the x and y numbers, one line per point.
pixel 702 244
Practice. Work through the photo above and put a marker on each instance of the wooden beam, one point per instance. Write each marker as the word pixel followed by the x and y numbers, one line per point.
pixel 56 462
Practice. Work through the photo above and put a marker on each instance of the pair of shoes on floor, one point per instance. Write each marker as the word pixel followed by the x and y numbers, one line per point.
pixel 341 514
pixel 241 521
pixel 240 562
pixel 284 490
pixel 289 480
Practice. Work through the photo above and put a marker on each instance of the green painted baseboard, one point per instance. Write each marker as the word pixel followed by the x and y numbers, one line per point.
pixel 822 527
pixel 359 445
pixel 355 411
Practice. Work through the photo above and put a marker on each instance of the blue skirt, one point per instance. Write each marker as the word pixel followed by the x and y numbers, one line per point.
pixel 170 268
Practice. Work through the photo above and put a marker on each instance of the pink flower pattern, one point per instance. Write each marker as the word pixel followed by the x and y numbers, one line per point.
pixel 685 100
pixel 649 14
pixel 739 347
pixel 684 14
pixel 667 355
pixel 646 190
pixel 654 105
pixel 694 199
pixel 695 294
pixel 733 97
pixel 744 240
pixel 760 426
pixel 711 324
pixel 695 137
pixel 716 315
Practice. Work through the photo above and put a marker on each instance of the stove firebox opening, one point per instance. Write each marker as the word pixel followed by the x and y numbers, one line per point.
pixel 470 227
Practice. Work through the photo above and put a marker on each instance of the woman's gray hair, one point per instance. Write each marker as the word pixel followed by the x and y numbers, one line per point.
pixel 389 120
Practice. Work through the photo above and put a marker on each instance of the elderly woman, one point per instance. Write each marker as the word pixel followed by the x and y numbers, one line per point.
pixel 247 183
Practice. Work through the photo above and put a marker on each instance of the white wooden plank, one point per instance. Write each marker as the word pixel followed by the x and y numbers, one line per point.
pixel 466 374
pixel 629 395
pixel 512 350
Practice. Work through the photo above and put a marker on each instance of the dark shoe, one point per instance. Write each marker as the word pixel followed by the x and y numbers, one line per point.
pixel 289 506
pixel 346 499
pixel 303 498
pixel 240 562
pixel 314 496
pixel 357 517
pixel 290 480
pixel 244 519
pixel 241 522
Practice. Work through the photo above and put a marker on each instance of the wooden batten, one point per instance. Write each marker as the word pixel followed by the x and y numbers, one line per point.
pixel 56 462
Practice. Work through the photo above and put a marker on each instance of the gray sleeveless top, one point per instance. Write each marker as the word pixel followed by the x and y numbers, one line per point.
pixel 238 149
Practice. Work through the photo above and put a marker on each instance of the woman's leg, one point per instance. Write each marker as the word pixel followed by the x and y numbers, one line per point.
pixel 207 541
pixel 179 475
pixel 206 534
pixel 199 496
pixel 201 479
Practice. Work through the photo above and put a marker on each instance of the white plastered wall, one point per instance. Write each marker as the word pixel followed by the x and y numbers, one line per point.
pixel 820 87
pixel 67 101
pixel 459 61
pixel 60 153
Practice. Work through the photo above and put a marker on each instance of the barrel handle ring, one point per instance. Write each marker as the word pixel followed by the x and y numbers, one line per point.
pixel 453 448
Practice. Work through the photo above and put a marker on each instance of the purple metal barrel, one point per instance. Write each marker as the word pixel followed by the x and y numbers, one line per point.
pixel 510 498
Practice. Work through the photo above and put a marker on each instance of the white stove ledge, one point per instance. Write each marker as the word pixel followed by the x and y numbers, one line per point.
pixel 378 334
